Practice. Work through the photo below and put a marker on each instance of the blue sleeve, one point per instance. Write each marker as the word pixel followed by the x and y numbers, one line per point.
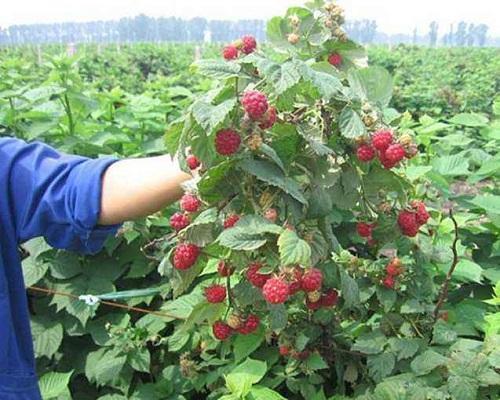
pixel 55 195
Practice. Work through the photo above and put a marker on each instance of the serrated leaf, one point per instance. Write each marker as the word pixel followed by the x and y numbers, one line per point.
pixel 53 384
pixel 315 362
pixel 103 367
pixel 381 365
pixel 293 250
pixel 462 387
pixel 427 361
pixel 217 69
pixel 350 290
pixel 33 270
pixel 240 379
pixel 47 336
pixel 210 116
pixel 350 124
pixel 370 343
pixel 249 233
pixel 373 84
pixel 469 119
pixel 454 165
pixel 140 360
pixel 271 174
pixel 278 316
pixel 404 347
pixel 327 84
pixel 244 345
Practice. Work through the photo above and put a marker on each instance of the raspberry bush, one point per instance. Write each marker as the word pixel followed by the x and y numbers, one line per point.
pixel 306 220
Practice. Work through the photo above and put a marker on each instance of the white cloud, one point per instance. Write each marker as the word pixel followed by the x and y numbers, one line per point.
pixel 392 16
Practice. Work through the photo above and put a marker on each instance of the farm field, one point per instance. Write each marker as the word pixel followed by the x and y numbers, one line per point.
pixel 387 321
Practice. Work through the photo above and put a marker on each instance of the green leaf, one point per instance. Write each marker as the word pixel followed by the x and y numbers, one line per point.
pixel 373 84
pixel 327 84
pixel 284 77
pixel 370 343
pixel 468 271
pixel 53 384
pixel 65 265
pixel 33 270
pixel 140 360
pixel 217 69
pixel 47 336
pixel 427 361
pixel 241 378
pixel 213 184
pixel 292 249
pixel 381 365
pixel 278 316
pixel 469 119
pixel 209 117
pixel 489 202
pixel 443 333
pixel 345 193
pixel 350 124
pixel 103 366
pixel 249 233
pixel 244 345
pixel 271 174
pixel 350 290
pixel 264 393
pixel 404 347
pixel 414 172
pixel 454 165
pixel 315 362
pixel 462 387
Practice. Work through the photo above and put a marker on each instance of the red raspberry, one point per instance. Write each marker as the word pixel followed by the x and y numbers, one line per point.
pixel 255 104
pixel 221 330
pixel 389 282
pixel 230 52
pixel 269 119
pixel 335 59
pixel 190 203
pixel 421 216
pixel 192 162
pixel 382 139
pixel 249 44
pixel 271 215
pixel 275 291
pixel 312 280
pixel 254 277
pixel 185 256
pixel 407 221
pixel 387 164
pixel 227 142
pixel 284 350
pixel 330 298
pixel 364 229
pixel 224 269
pixel 215 293
pixel 250 325
pixel 395 153
pixel 179 221
pixel 365 153
pixel 313 305
pixel 394 268
pixel 231 221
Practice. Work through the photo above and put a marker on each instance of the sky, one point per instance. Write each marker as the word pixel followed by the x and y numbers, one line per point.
pixel 392 16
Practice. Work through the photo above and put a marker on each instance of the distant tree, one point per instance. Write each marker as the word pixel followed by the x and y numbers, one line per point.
pixel 461 34
pixel 471 35
pixel 481 32
pixel 433 33
pixel 415 36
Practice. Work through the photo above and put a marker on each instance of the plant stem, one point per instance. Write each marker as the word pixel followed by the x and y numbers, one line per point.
pixel 444 288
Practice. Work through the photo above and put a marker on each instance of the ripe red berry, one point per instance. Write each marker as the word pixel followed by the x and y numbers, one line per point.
pixel 313 305
pixel 227 142
pixel 335 59
pixel 185 256
pixel 389 282
pixel 230 221
pixel 230 52
pixel 255 104
pixel 386 163
pixel 312 280
pixel 275 291
pixel 215 293
pixel 269 119
pixel 394 268
pixel 179 221
pixel 271 214
pixel 251 324
pixel 330 298
pixel 224 269
pixel 249 44
pixel 364 229
pixel 284 350
pixel 365 153
pixel 190 203
pixel 395 153
pixel 192 162
pixel 407 221
pixel 221 330
pixel 254 277
pixel 421 216
pixel 382 139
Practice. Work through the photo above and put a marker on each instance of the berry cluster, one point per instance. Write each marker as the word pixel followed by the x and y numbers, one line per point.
pixel 365 230
pixel 410 220
pixel 246 45
pixel 235 324
pixel 393 270
pixel 383 146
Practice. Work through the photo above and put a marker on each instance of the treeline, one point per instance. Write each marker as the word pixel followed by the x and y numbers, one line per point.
pixel 147 29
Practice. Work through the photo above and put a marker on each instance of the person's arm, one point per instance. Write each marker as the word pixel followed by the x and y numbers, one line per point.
pixel 138 187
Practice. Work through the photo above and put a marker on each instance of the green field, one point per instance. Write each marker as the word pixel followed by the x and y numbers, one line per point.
pixel 128 100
